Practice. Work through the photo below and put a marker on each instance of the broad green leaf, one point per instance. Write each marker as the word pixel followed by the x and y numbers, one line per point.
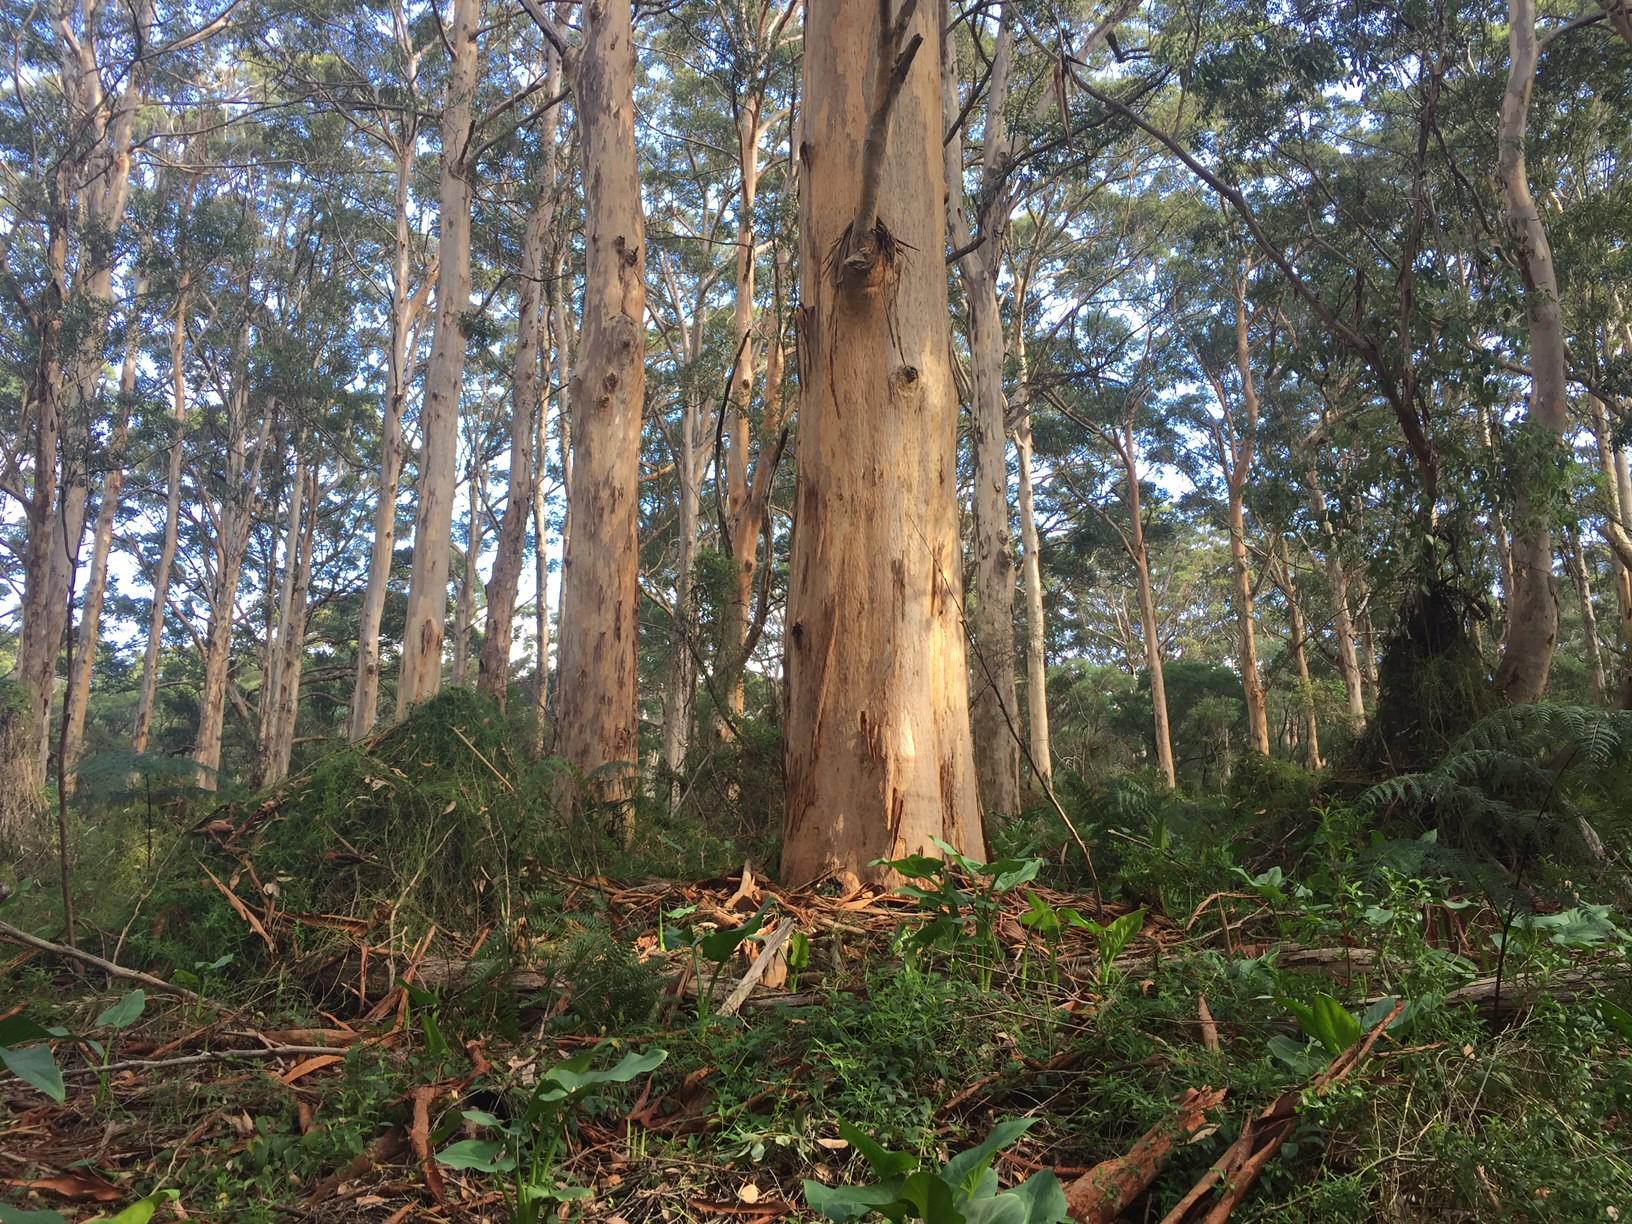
pixel 482 1155
pixel 719 946
pixel 1014 872
pixel 572 1079
pixel 1337 1027
pixel 1299 1056
pixel 20 1030
pixel 16 1215
pixel 482 1118
pixel 141 1211
pixel 125 1012
pixel 914 866
pixel 37 1067
pixel 1041 1198
pixel 843 1203
pixel 963 1170
pixel 885 1163
pixel 931 1198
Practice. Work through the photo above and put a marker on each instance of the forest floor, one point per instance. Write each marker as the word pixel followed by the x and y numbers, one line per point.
pixel 355 1019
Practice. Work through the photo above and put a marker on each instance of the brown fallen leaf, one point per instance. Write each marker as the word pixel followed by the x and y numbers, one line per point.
pixel 75 1187
pixel 307 1065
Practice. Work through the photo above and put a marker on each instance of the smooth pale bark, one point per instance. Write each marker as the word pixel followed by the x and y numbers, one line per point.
pixel 994 713
pixel 426 626
pixel 464 617
pixel 1235 441
pixel 1042 757
pixel 86 210
pixel 293 654
pixel 530 385
pixel 172 521
pixel 231 520
pixel 541 581
pixel 1498 520
pixel 1617 495
pixel 879 758
pixel 1337 579
pixel 280 685
pixel 596 712
pixel 1300 657
pixel 1532 621
pixel 1576 557
pixel 690 460
pixel 278 626
pixel 1139 554
pixel 407 307
pixel 748 487
pixel 88 636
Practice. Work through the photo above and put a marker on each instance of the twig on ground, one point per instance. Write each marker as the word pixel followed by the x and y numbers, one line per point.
pixel 13 935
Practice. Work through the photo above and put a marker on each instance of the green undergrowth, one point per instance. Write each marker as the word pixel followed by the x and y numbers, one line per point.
pixel 1469 1108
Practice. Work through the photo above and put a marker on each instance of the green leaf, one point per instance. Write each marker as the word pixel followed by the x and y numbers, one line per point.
pixel 843 1203
pixel 482 1155
pixel 798 951
pixel 885 1163
pixel 1297 1055
pixel 124 1013
pixel 1011 873
pixel 963 1170
pixel 931 1198
pixel 141 1211
pixel 16 1215
pixel 482 1118
pixel 719 946
pixel 914 866
pixel 37 1067
pixel 572 1076
pixel 1041 1199
pixel 20 1030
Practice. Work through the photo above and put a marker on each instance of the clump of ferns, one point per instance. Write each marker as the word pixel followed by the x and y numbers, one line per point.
pixel 1523 782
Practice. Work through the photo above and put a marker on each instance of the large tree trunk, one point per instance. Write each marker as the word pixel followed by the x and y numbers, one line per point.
pixel 172 522
pixel 995 710
pixel 1032 575
pixel 88 637
pixel 597 712
pixel 530 386
pixel 879 757
pixel 406 306
pixel 426 625
pixel 1532 623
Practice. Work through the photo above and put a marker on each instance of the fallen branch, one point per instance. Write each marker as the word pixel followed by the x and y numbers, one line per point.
pixel 1109 1188
pixel 1243 1161
pixel 209 1056
pixel 773 948
pixel 13 935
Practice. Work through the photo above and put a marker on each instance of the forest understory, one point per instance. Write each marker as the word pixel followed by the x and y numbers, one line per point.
pixel 391 989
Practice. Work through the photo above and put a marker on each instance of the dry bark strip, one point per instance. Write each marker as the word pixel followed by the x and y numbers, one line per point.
pixel 1244 1160
pixel 1109 1188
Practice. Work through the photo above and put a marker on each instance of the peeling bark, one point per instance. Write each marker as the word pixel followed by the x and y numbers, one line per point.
pixel 879 757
